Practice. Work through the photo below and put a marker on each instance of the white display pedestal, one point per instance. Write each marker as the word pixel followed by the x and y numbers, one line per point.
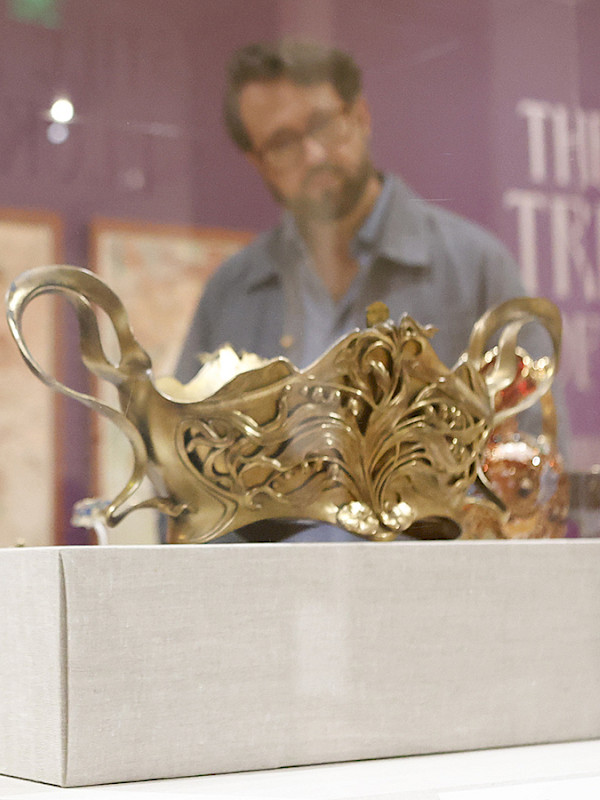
pixel 128 663
pixel 568 771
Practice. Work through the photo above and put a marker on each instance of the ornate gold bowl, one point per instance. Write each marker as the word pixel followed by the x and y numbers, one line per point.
pixel 377 436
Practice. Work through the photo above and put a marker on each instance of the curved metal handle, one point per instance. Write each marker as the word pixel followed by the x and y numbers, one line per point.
pixel 512 315
pixel 81 288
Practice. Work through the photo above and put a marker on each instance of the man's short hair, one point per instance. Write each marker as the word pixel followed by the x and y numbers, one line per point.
pixel 303 63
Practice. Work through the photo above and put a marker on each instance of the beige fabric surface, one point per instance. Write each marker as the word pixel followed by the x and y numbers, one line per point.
pixel 32 661
pixel 187 660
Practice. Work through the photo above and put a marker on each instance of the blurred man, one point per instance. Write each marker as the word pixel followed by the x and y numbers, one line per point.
pixel 350 234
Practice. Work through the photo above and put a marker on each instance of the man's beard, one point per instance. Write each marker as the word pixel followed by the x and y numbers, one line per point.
pixel 331 204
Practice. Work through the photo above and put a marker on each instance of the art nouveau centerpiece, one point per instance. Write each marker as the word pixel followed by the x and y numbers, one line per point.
pixel 377 436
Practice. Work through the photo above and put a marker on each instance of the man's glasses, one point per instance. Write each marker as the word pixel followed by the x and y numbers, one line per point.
pixel 286 150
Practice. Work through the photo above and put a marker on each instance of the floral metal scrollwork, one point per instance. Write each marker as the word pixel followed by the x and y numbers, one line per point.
pixel 377 436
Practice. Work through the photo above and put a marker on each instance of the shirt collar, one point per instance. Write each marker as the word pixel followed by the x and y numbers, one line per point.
pixel 395 229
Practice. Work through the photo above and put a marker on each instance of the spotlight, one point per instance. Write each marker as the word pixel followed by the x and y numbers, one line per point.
pixel 62 110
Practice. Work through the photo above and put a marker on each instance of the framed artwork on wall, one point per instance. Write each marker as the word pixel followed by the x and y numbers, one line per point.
pixel 28 464
pixel 159 273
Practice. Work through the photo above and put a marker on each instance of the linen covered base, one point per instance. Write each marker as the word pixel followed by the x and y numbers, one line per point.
pixel 130 663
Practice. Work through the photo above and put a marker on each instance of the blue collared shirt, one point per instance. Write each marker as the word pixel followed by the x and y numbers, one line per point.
pixel 416 257
pixel 421 260
pixel 313 318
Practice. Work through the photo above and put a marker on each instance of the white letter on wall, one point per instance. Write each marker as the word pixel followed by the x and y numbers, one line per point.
pixel 527 203
pixel 535 112
pixel 568 142
pixel 594 134
pixel 581 333
pixel 571 217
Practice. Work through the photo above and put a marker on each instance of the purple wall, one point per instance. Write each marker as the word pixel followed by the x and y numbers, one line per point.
pixel 453 88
